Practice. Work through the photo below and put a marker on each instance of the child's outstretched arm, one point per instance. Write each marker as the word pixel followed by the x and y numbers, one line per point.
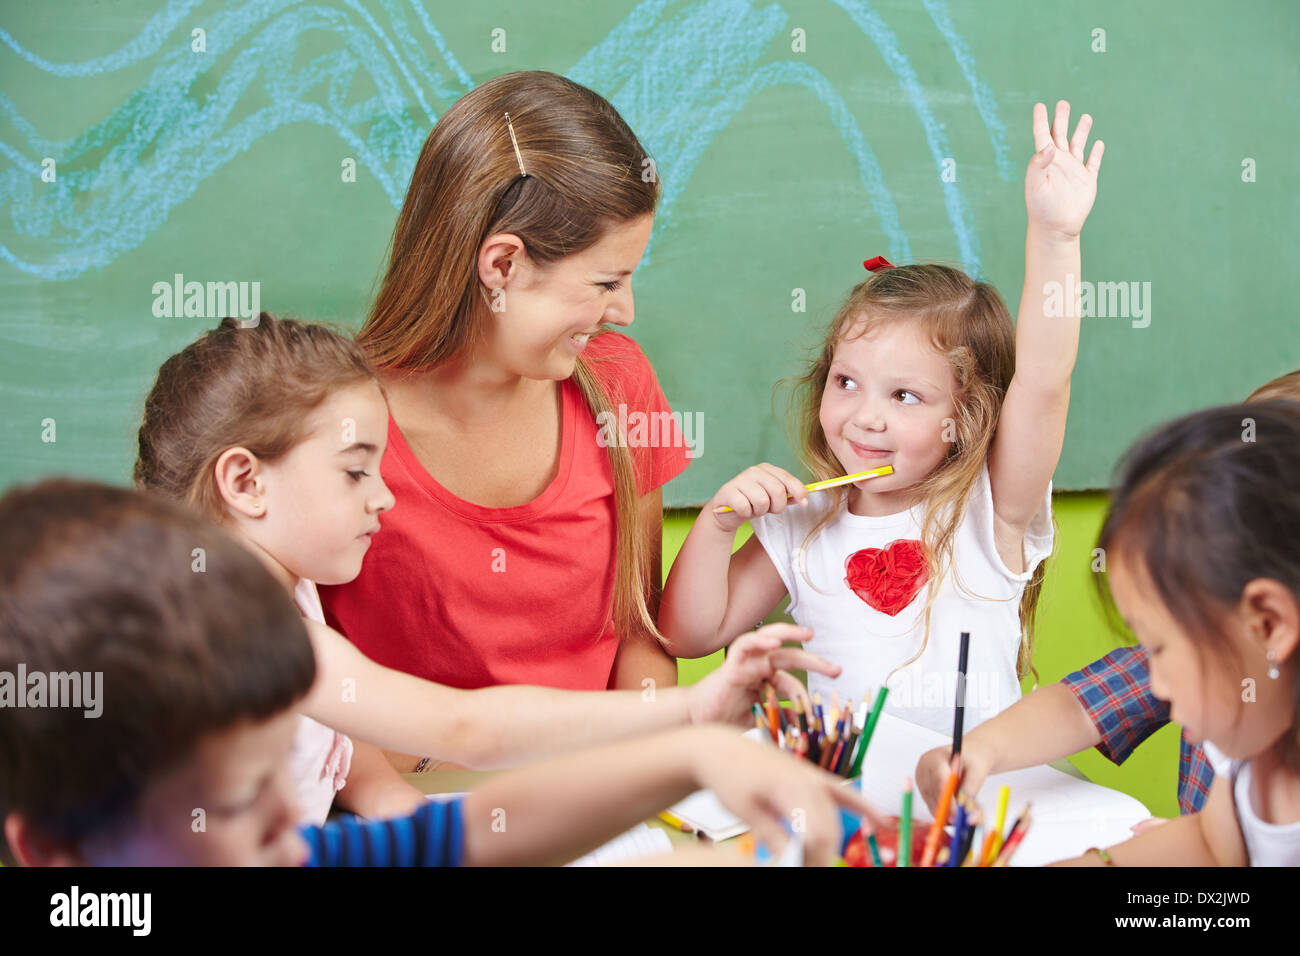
pixel 711 595
pixel 1042 726
pixel 495 727
pixel 1059 192
pixel 1208 838
pixel 557 811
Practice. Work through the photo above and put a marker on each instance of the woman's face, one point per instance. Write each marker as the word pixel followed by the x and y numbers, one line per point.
pixel 1225 698
pixel 541 317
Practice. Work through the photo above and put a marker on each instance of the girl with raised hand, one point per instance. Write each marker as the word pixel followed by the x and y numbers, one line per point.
pixel 923 371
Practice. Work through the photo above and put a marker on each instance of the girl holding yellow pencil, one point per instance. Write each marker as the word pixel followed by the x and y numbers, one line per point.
pixel 921 370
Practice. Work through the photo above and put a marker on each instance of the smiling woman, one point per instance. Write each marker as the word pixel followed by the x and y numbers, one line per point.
pixel 522 549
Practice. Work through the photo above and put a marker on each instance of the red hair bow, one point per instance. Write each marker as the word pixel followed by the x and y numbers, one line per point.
pixel 877 263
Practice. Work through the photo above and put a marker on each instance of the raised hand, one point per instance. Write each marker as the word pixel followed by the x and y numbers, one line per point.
pixel 1059 185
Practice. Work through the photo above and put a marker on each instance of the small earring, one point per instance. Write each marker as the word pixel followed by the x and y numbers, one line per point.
pixel 1273 672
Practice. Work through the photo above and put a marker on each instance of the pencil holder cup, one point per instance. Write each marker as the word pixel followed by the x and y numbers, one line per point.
pixel 854 848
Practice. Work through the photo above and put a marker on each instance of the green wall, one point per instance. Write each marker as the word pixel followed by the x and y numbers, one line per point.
pixel 792 140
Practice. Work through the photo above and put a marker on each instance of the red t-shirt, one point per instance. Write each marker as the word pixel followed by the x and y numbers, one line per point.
pixel 470 596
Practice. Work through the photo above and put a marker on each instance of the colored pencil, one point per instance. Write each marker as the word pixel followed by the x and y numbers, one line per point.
pixel 864 741
pixel 833 483
pixel 842 735
pixel 849 736
pixel 987 848
pixel 836 756
pixel 994 842
pixel 905 827
pixel 1014 839
pixel 1011 833
pixel 798 712
pixel 970 859
pixel 959 719
pixel 1015 826
pixel 773 718
pixel 958 831
pixel 828 749
pixel 967 838
pixel 845 761
pixel 675 822
pixel 818 742
pixel 935 833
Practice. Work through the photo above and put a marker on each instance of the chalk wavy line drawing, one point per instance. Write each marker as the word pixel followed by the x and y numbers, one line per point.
pixel 645 62
pixel 985 103
pixel 870 23
pixel 145 43
pixel 154 151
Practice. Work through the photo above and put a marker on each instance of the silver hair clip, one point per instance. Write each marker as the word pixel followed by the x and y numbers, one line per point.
pixel 515 143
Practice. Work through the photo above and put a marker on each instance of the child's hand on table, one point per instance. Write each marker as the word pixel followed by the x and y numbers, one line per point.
pixel 771 790
pixel 725 695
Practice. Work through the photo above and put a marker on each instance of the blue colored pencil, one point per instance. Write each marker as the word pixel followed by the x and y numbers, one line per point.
pixel 958 832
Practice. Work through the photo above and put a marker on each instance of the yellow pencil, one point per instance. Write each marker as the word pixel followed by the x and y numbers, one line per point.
pixel 994 843
pixel 833 482
pixel 677 823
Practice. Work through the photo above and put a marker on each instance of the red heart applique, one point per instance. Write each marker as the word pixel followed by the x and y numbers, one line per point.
pixel 887 579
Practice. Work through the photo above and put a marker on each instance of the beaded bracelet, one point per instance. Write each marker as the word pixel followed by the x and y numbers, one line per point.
pixel 1105 857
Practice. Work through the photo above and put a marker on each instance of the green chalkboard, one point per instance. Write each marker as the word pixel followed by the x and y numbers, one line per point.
pixel 793 141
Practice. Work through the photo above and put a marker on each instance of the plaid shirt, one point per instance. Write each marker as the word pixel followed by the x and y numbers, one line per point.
pixel 1116 693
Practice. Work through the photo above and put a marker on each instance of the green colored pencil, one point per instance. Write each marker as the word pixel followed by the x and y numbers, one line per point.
pixel 875 850
pixel 905 829
pixel 877 706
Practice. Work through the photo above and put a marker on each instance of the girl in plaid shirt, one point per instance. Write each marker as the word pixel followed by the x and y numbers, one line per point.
pixel 1107 704
pixel 1202 544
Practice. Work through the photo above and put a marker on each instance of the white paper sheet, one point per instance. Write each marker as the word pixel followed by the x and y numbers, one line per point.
pixel 704 811
pixel 641 842
pixel 1069 815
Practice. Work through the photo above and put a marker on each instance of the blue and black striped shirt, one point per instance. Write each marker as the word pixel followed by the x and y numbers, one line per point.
pixel 433 835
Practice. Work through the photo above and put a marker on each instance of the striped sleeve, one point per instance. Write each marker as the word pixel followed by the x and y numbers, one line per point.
pixel 433 835
pixel 1115 691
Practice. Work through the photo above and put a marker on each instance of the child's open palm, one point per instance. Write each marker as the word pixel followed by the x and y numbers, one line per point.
pixel 1059 186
